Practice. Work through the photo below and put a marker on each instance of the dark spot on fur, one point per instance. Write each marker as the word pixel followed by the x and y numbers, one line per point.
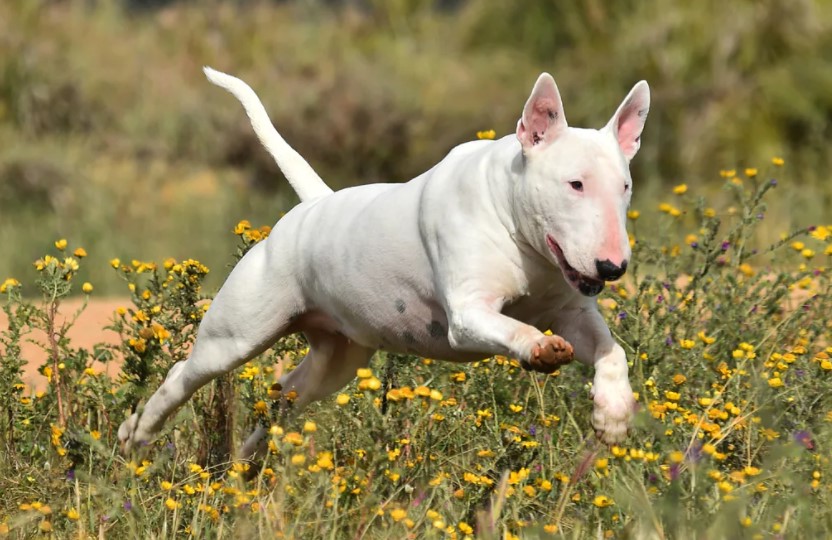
pixel 400 305
pixel 436 330
pixel 643 112
pixel 553 115
pixel 408 338
pixel 536 138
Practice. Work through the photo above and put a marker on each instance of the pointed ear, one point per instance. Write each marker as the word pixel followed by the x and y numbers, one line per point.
pixel 543 119
pixel 628 121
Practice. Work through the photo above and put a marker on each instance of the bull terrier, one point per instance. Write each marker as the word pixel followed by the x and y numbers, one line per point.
pixel 497 243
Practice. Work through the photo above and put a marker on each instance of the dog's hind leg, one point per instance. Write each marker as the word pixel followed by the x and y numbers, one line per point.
pixel 252 310
pixel 331 363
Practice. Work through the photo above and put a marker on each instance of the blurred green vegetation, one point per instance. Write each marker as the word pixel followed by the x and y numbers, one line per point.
pixel 110 136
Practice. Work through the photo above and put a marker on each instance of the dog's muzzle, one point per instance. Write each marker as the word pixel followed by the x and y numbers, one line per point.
pixel 588 286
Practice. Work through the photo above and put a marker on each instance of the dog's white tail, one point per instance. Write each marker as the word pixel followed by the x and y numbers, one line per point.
pixel 305 181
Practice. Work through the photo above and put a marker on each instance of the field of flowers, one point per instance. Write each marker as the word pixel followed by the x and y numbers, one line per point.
pixel 731 362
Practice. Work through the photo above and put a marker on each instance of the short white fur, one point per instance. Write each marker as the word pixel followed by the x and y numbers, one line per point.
pixel 498 242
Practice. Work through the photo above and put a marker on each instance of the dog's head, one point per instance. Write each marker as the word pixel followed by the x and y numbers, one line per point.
pixel 575 189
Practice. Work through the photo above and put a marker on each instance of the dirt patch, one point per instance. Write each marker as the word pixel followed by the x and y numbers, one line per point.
pixel 86 332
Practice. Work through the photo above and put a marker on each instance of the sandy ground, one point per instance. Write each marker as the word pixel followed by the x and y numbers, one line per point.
pixel 86 332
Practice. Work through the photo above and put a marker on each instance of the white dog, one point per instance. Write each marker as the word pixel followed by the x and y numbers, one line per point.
pixel 498 242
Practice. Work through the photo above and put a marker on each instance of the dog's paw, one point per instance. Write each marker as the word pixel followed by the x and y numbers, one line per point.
pixel 548 355
pixel 614 407
pixel 130 436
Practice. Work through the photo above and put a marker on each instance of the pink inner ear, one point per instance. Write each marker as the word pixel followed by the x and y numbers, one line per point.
pixel 630 125
pixel 537 122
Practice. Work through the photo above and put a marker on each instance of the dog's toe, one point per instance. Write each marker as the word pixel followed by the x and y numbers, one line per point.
pixel 549 355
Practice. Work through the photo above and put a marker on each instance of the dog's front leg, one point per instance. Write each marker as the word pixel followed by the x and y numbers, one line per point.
pixel 614 404
pixel 480 327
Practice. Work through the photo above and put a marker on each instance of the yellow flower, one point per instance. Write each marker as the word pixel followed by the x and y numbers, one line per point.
pixel 680 189
pixel 87 287
pixel 807 253
pixel 602 501
pixel 342 399
pixel 633 214
pixel 310 427
pixel 242 226
pixel 95 434
pixel 61 244
pixel 171 504
pixel 464 528
pixel 778 161
pixel 71 263
pixel 775 382
pixel 293 437
pixel 686 343
pixel 10 282
pixel 364 373
pixel 261 407
pixel 746 269
pixel 751 172
pixel 489 134
pixel 165 485
pixel 298 460
pixel 325 461
pixel 821 233
pixel 115 263
pixel 677 457
pixel 397 514
pixel 72 514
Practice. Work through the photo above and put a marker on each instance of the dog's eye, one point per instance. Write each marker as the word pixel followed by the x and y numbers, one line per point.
pixel 577 185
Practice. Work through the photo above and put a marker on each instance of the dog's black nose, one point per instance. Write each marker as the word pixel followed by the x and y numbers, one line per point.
pixel 609 271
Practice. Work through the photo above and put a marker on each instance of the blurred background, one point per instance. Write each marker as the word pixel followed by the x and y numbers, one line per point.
pixel 111 137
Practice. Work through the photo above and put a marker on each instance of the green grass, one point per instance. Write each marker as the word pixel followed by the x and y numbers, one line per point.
pixel 730 357
pixel 110 133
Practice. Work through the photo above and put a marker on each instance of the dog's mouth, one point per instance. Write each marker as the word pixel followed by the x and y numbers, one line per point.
pixel 588 286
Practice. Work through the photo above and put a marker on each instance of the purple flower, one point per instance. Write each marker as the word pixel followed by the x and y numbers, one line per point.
pixel 70 475
pixel 810 228
pixel 622 315
pixel 726 245
pixel 694 244
pixel 695 452
pixel 668 341
pixel 674 472
pixel 128 505
pixel 532 431
pixel 659 299
pixel 804 438
pixel 773 182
